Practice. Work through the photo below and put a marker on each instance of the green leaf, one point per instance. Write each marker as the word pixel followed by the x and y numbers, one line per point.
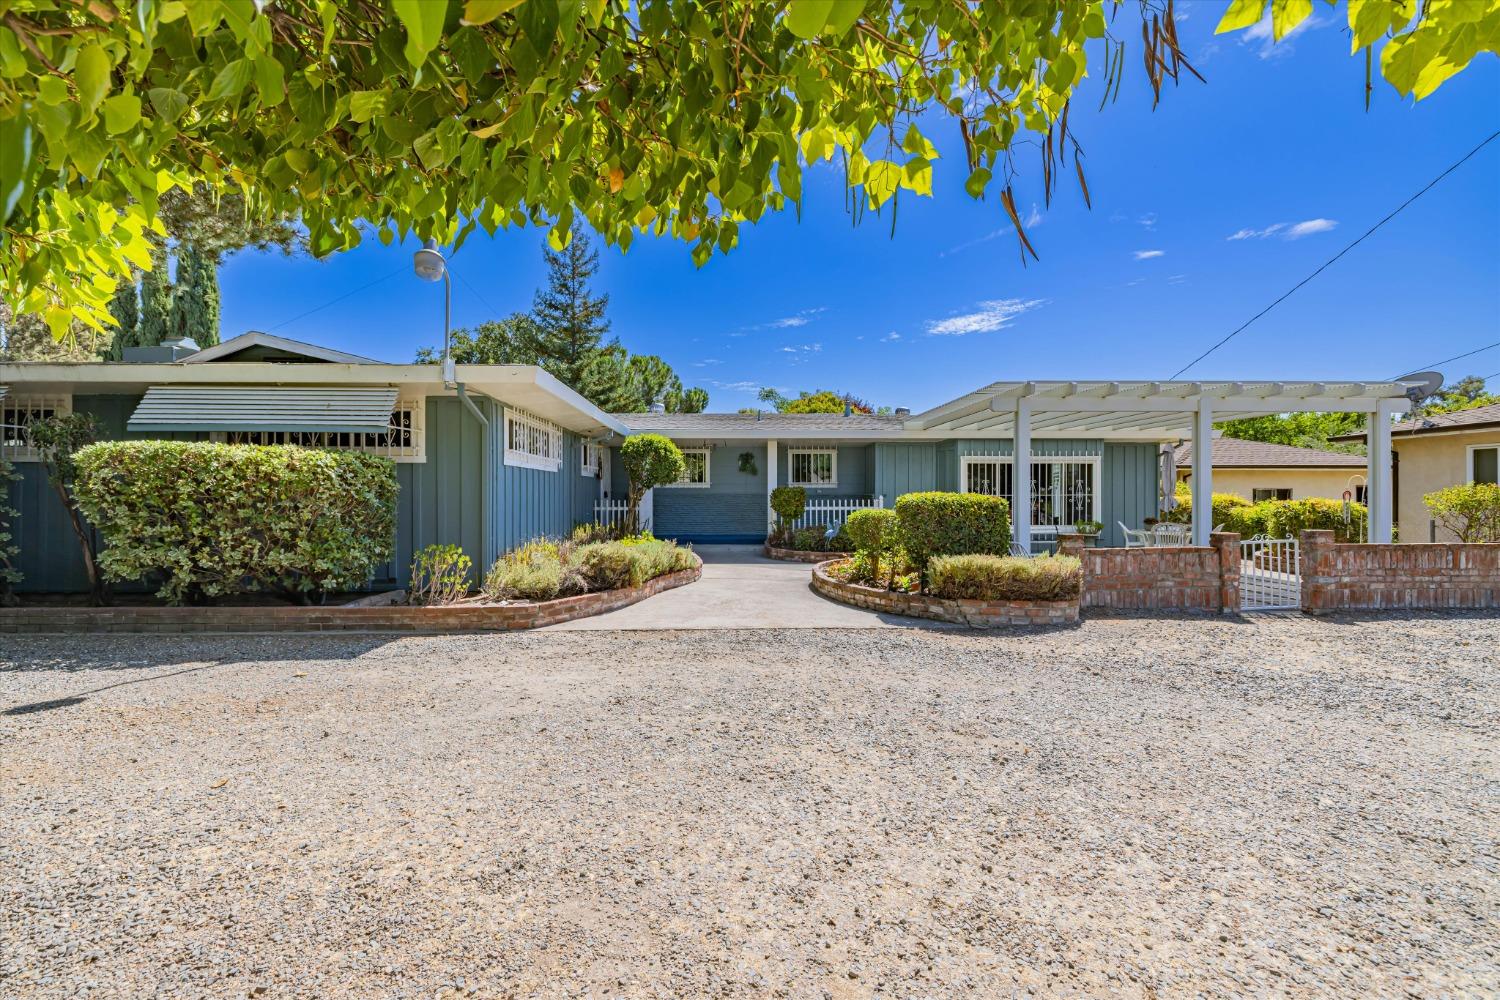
pixel 423 21
pixel 366 104
pixel 1241 14
pixel 121 113
pixel 91 74
pixel 52 90
pixel 977 182
pixel 270 81
pixel 1287 14
pixel 916 144
pixel 232 79
pixel 805 18
pixel 917 176
pixel 18 152
pixel 881 181
pixel 843 15
pixel 168 104
pixel 485 11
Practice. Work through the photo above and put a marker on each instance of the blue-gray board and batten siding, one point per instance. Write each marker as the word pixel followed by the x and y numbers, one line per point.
pixel 463 494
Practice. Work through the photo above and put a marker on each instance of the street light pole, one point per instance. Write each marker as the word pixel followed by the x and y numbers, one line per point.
pixel 430 266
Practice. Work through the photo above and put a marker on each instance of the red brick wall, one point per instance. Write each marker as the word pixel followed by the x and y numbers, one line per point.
pixel 393 618
pixel 1408 576
pixel 1176 578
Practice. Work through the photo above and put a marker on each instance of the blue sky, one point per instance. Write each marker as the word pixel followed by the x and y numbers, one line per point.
pixel 1276 149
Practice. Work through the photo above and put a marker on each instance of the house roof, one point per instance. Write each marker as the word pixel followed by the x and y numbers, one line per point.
pixel 1473 418
pixel 1234 453
pixel 276 349
pixel 789 426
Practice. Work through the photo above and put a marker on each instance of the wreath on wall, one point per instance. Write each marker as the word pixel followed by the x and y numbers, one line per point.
pixel 747 463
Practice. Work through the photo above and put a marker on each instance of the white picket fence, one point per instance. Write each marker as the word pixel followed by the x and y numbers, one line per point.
pixel 614 513
pixel 834 510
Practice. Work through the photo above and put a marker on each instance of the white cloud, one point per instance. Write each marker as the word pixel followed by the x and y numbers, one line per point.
pixel 1287 231
pixel 782 324
pixel 801 350
pixel 735 386
pixel 974 242
pixel 1148 254
pixel 1309 227
pixel 1176 279
pixel 893 335
pixel 1033 218
pixel 788 322
pixel 1261 34
pixel 993 314
pixel 1148 220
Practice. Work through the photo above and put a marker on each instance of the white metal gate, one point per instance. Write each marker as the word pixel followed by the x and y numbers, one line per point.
pixel 1270 574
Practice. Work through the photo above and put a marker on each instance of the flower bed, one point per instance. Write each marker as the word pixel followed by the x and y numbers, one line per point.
pixel 974 613
pixel 463 617
pixel 802 555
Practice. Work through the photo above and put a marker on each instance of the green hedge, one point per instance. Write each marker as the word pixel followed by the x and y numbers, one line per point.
pixel 1006 578
pixel 1471 511
pixel 1275 518
pixel 214 520
pixel 942 524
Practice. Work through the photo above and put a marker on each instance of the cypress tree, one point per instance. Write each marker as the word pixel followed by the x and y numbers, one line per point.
pixel 195 303
pixel 125 307
pixel 156 304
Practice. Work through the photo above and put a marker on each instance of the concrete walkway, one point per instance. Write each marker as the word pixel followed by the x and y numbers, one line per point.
pixel 741 588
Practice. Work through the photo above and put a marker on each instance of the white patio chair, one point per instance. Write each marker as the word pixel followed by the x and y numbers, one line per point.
pixel 1017 549
pixel 1134 538
pixel 1171 534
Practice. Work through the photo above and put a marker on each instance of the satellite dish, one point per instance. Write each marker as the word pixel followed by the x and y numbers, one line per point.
pixel 1420 385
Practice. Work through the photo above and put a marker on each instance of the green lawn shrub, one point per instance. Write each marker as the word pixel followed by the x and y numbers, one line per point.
pixel 1226 507
pixel 1005 578
pixel 439 575
pixel 611 565
pixel 1470 511
pixel 216 520
pixel 1274 518
pixel 941 524
pixel 540 570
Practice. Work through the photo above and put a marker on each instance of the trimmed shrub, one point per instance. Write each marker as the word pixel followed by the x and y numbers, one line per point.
pixel 788 502
pixel 1471 511
pixel 943 524
pixel 612 565
pixel 537 571
pixel 1005 578
pixel 1289 518
pixel 872 530
pixel 1226 507
pixel 439 575
pixel 216 519
pixel 650 460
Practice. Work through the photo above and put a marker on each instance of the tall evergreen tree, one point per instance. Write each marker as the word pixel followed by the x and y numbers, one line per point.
pixel 125 307
pixel 155 324
pixel 195 302
pixel 570 328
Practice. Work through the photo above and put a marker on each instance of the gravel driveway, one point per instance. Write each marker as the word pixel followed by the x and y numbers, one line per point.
pixel 1140 807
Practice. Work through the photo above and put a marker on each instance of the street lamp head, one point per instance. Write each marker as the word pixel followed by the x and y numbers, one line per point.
pixel 428 262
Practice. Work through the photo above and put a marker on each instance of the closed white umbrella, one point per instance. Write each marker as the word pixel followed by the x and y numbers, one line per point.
pixel 1168 477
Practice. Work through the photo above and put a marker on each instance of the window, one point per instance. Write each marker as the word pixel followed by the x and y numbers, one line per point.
pixel 531 442
pixel 694 467
pixel 403 441
pixel 1270 494
pixel 590 460
pixel 1063 490
pixel 1484 463
pixel 814 466
pixel 1362 494
pixel 17 413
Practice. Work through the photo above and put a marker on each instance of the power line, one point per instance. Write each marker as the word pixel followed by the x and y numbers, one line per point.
pixel 484 301
pixel 1477 350
pixel 336 301
pixel 1341 253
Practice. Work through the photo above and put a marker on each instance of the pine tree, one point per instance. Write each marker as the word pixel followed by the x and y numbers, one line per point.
pixel 156 304
pixel 570 327
pixel 195 302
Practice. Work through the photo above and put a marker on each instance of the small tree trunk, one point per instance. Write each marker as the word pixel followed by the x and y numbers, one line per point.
pixel 97 596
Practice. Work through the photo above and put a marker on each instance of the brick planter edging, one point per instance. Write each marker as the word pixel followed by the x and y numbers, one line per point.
pixel 393 618
pixel 802 555
pixel 975 614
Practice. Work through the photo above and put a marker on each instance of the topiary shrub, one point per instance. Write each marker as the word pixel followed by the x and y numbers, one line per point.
pixel 650 460
pixel 788 502
pixel 1005 578
pixel 1471 511
pixel 942 524
pixel 537 571
pixel 215 520
pixel 439 575
pixel 872 532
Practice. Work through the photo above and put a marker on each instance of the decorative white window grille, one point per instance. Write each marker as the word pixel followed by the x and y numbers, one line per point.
pixel 694 468
pixel 813 466
pixel 403 442
pixel 531 442
pixel 591 460
pixel 1063 490
pixel 17 413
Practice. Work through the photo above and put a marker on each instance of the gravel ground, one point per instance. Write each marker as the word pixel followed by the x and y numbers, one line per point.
pixel 1137 807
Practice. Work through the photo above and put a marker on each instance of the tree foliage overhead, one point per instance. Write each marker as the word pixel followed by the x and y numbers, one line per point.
pixel 436 117
pixel 1299 430
pixel 1465 394
pixel 818 401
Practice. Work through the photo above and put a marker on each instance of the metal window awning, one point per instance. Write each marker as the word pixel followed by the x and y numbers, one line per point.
pixel 326 409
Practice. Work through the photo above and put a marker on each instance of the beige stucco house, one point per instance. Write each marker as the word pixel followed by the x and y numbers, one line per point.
pixel 1256 470
pixel 1432 452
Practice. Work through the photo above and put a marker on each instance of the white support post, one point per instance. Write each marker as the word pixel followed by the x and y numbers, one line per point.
pixel 1203 472
pixel 1020 475
pixel 770 484
pixel 1378 485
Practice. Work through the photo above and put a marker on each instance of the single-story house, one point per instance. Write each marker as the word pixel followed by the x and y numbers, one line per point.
pixel 505 453
pixel 1257 470
pixel 1433 452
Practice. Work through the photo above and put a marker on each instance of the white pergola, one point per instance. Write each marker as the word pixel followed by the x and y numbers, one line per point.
pixel 1166 411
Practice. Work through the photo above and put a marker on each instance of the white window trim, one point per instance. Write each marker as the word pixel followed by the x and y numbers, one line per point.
pixel 708 475
pixel 588 459
pixel 791 468
pixel 549 458
pixel 1097 461
pixel 415 453
pixel 57 403
pixel 1469 458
